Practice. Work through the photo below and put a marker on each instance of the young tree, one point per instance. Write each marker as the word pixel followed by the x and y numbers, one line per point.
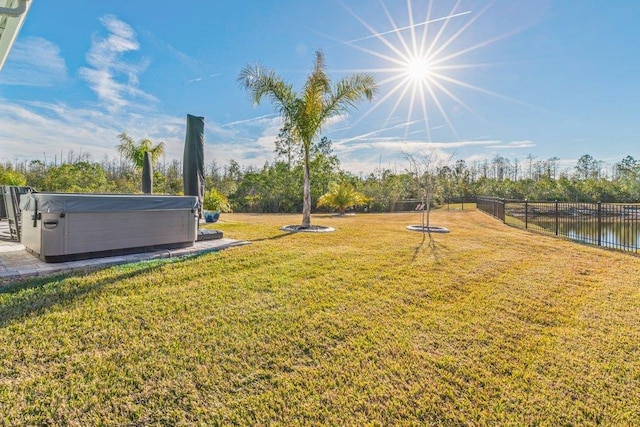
pixel 323 167
pixel 287 150
pixel 307 111
pixel 587 167
pixel 423 169
pixel 627 168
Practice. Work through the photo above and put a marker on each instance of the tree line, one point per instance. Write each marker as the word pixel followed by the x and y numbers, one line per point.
pixel 277 186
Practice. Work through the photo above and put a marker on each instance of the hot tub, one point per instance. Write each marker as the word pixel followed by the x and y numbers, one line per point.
pixel 60 227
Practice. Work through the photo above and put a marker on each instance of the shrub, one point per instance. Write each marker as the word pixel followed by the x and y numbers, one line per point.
pixel 215 201
pixel 341 196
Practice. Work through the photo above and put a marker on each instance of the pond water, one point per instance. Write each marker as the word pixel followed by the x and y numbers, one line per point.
pixel 613 234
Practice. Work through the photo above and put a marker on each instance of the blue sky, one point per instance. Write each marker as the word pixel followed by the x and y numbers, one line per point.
pixel 514 78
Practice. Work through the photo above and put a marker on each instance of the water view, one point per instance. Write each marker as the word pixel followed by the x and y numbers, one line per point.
pixel 623 234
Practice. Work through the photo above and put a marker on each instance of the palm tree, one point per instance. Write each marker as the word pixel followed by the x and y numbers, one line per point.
pixel 341 196
pixel 307 111
pixel 135 152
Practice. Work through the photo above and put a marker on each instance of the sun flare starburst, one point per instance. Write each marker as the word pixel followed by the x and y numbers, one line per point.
pixel 424 61
pixel 417 69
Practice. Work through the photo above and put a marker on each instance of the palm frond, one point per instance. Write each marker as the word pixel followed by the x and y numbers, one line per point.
pixel 347 92
pixel 135 152
pixel 157 151
pixel 319 81
pixel 261 81
pixel 126 148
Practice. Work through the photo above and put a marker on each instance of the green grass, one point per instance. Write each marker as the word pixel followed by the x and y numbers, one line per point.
pixel 369 325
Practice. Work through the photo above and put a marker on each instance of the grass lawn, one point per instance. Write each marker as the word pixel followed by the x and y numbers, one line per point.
pixel 369 325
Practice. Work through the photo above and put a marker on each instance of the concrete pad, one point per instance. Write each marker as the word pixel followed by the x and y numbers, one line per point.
pixel 16 264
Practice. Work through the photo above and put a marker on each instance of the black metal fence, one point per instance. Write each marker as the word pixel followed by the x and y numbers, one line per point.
pixel 491 205
pixel 611 225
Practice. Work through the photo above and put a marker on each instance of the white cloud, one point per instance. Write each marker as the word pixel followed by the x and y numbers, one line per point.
pixel 37 130
pixel 367 135
pixel 34 61
pixel 515 144
pixel 522 144
pixel 34 130
pixel 114 80
pixel 237 140
pixel 261 120
pixel 42 130
pixel 403 145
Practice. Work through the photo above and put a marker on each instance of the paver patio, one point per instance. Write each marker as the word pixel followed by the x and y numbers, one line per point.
pixel 17 264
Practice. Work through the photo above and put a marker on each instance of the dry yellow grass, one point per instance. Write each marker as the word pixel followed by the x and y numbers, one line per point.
pixel 369 325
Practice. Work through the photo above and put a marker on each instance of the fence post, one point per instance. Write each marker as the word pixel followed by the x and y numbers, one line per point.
pixel 599 224
pixel 526 213
pixel 556 217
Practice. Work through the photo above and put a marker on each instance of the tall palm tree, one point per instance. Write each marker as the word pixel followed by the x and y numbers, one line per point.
pixel 305 112
pixel 135 152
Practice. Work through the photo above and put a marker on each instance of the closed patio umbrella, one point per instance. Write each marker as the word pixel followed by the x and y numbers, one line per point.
pixel 147 174
pixel 193 160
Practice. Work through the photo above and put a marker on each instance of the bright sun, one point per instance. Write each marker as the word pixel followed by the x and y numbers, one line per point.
pixel 418 69
pixel 421 60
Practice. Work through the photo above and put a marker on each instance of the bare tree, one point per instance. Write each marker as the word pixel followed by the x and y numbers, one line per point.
pixel 423 168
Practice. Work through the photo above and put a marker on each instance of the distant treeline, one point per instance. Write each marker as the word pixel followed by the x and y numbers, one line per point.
pixel 277 186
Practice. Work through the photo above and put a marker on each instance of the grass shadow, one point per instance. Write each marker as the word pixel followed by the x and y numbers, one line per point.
pixel 335 215
pixel 433 247
pixel 36 282
pixel 276 237
pixel 41 294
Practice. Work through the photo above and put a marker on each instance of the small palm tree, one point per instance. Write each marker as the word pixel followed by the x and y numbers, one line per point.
pixel 341 196
pixel 135 152
pixel 305 113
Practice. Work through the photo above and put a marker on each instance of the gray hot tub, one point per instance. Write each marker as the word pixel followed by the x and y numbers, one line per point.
pixel 60 227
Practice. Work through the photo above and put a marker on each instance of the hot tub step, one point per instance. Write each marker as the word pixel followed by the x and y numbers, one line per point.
pixel 204 234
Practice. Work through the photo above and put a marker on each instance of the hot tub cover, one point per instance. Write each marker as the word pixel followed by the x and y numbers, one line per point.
pixel 61 202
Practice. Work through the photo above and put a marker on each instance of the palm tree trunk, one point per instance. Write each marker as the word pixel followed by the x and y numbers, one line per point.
pixel 306 202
